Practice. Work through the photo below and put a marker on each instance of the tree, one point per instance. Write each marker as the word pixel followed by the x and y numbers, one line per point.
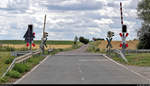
pixel 75 40
pixel 84 40
pixel 144 32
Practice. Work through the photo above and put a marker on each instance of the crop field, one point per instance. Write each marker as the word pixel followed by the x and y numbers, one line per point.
pixel 52 42
pixel 18 44
pixel 116 44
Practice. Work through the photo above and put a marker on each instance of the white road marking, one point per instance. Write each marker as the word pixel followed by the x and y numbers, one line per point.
pixel 128 69
pixel 82 78
pixel 81 72
pixel 93 60
pixel 31 71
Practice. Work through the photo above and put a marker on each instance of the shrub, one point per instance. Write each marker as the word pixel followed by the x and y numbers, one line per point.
pixel 21 68
pixel 30 60
pixel 9 60
pixel 14 74
pixel 60 49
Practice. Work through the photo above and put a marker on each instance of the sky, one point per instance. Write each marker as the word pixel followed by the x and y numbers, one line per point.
pixel 67 18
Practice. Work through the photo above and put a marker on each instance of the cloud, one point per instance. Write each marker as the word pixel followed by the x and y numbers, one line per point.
pixel 67 18
pixel 81 5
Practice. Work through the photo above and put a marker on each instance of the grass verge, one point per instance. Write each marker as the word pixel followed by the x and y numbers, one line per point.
pixel 93 47
pixel 136 59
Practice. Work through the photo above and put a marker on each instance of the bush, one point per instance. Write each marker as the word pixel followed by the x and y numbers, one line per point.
pixel 96 39
pixel 83 40
pixel 9 60
pixel 10 49
pixel 4 79
pixel 14 74
pixel 97 50
pixel 21 68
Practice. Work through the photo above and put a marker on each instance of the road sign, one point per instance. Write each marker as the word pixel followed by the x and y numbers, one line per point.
pixel 109 43
pixel 109 39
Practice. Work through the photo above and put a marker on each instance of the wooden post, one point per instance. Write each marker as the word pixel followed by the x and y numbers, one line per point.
pixel 42 45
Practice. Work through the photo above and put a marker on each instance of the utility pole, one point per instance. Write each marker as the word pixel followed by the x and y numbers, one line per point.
pixel 44 25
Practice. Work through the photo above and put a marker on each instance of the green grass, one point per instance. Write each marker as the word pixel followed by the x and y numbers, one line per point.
pixel 21 68
pixel 137 59
pixel 14 74
pixel 3 57
pixel 56 42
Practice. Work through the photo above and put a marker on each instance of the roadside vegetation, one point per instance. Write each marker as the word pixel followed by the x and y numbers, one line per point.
pixel 94 47
pixel 136 59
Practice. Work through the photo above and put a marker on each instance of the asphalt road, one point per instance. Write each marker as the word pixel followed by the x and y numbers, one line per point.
pixel 79 67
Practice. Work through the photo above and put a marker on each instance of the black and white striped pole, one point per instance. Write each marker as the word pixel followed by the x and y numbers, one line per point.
pixel 124 33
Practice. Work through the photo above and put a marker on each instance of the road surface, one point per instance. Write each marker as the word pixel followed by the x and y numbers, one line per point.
pixel 80 67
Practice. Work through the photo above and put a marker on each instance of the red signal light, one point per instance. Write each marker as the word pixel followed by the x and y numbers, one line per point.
pixel 27 44
pixel 33 33
pixel 33 44
pixel 120 34
pixel 126 45
pixel 120 45
pixel 127 34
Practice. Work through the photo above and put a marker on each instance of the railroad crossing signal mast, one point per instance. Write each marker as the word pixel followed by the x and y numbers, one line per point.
pixel 44 38
pixel 29 36
pixel 124 33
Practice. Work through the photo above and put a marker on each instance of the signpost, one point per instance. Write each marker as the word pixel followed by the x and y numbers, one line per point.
pixel 109 39
pixel 124 33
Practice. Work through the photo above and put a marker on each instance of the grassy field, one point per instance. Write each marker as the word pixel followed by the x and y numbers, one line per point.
pixel 116 44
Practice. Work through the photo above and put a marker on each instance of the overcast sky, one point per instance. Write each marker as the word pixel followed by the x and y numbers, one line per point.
pixel 67 18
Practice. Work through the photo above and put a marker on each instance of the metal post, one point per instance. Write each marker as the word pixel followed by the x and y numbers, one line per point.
pixel 123 36
pixel 30 46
